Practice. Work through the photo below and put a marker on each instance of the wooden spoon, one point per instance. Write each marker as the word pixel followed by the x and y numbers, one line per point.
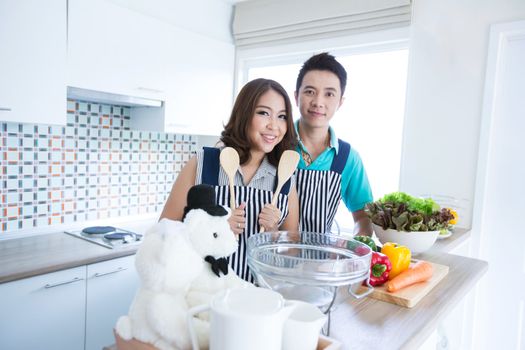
pixel 229 160
pixel 287 165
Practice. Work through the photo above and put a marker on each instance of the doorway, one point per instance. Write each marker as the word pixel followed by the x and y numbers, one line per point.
pixel 500 188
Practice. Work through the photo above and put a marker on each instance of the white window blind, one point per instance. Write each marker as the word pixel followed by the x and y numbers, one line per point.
pixel 261 23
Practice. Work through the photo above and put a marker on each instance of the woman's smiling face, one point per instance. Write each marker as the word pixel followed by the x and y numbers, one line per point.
pixel 268 124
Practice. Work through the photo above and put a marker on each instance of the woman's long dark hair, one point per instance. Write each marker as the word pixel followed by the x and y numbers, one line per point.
pixel 235 133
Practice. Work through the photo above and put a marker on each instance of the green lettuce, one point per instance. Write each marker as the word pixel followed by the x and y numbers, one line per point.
pixel 402 212
pixel 421 205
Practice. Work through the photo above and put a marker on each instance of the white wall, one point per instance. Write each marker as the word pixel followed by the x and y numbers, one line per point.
pixel 448 50
pixel 207 141
pixel 207 17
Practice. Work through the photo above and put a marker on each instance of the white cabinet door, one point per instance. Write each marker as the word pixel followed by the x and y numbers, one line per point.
pixel 111 286
pixel 32 61
pixel 117 50
pixel 200 94
pixel 44 312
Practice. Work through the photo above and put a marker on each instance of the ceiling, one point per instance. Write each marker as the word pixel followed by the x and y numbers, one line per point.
pixel 233 2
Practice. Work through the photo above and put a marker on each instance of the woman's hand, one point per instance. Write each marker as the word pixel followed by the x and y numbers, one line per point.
pixel 269 217
pixel 237 220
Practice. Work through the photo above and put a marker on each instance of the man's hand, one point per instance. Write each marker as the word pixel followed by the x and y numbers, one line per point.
pixel 362 224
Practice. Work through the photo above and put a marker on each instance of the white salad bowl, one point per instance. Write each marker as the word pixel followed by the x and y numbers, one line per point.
pixel 418 242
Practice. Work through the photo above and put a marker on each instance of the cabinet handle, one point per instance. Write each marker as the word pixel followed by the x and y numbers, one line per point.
pixel 177 125
pixel 110 272
pixel 5 109
pixel 146 89
pixel 52 285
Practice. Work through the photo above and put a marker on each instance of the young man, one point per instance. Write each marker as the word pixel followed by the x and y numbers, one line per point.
pixel 329 169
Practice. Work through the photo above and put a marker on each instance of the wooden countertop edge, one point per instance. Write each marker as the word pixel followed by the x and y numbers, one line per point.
pixel 98 255
pixel 421 335
pixel 64 266
pixel 398 327
pixel 448 244
pixel 16 265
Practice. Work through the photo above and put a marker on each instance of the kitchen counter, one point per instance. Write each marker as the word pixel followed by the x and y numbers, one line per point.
pixel 50 252
pixel 38 254
pixel 372 324
pixel 31 256
pixel 358 324
pixel 446 245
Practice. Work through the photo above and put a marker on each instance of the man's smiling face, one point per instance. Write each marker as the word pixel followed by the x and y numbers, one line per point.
pixel 318 98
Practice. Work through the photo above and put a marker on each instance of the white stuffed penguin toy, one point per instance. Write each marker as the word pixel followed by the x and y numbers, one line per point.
pixel 181 265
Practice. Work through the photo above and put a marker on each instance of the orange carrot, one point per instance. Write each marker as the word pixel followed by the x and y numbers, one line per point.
pixel 419 272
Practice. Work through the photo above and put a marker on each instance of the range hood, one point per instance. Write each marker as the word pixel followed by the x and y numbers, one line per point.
pixel 108 97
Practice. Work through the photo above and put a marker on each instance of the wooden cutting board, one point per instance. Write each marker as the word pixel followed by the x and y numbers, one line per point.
pixel 411 295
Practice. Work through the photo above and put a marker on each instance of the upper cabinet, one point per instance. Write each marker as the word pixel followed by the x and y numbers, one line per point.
pixel 33 60
pixel 118 50
pixel 200 93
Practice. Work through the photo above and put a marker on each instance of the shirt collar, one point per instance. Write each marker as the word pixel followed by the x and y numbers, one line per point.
pixel 334 142
pixel 265 169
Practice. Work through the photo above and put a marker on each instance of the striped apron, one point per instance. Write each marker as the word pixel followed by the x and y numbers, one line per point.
pixel 319 193
pixel 255 200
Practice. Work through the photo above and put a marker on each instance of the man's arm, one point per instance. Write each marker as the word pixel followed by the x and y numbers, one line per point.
pixel 356 192
pixel 362 224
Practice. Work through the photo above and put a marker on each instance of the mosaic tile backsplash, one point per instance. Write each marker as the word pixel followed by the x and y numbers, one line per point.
pixel 93 168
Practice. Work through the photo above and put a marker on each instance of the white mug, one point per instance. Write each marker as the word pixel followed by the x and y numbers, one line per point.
pixel 302 328
pixel 244 318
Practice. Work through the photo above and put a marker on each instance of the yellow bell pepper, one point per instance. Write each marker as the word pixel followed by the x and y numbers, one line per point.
pixel 399 256
pixel 455 215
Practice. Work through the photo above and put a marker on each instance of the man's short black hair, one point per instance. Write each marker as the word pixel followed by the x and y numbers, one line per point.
pixel 323 61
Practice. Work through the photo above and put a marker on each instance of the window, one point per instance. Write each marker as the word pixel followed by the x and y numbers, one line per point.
pixel 371 117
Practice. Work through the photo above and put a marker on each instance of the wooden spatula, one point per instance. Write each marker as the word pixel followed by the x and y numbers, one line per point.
pixel 229 160
pixel 287 165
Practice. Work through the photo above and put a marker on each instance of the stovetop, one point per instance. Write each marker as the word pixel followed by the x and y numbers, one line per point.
pixel 108 236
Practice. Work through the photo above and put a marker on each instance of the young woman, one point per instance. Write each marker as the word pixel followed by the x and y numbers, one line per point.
pixel 260 129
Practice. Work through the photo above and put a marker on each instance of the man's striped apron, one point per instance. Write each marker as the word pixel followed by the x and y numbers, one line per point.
pixel 255 200
pixel 319 193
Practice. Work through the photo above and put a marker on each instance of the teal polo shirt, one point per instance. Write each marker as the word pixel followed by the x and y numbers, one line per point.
pixel 355 189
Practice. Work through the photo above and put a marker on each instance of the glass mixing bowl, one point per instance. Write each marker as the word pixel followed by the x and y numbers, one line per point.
pixel 308 266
